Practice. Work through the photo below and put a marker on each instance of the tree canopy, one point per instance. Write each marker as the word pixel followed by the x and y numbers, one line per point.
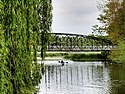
pixel 112 18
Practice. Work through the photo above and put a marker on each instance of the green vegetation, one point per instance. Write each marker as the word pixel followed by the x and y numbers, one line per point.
pixel 118 55
pixel 84 57
pixel 21 23
pixel 80 56
pixel 112 18
pixel 56 54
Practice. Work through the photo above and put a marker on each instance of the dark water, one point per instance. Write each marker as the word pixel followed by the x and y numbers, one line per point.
pixel 83 78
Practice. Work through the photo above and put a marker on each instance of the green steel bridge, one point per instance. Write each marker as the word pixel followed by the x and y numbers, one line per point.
pixel 77 42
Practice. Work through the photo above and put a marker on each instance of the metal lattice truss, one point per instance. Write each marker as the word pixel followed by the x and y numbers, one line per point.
pixel 75 42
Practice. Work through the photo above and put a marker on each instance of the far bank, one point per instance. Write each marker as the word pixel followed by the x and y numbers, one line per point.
pixel 76 56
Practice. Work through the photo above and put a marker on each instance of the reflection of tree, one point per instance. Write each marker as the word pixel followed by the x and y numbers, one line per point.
pixel 120 89
pixel 117 75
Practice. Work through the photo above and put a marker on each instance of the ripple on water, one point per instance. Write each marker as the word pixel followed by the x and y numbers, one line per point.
pixel 80 78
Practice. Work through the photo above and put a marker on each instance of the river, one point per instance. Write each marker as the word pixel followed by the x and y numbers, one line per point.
pixel 83 78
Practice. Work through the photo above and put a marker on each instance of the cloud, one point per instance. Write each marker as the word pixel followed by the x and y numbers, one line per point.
pixel 74 16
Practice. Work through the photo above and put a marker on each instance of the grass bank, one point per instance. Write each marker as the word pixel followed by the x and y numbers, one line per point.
pixel 85 56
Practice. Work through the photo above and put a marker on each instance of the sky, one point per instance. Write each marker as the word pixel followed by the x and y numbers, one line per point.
pixel 74 16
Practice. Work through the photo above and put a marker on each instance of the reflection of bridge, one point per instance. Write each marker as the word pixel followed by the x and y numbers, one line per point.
pixel 75 78
pixel 77 42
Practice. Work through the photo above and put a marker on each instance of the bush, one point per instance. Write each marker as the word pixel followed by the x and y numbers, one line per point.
pixel 84 57
pixel 118 55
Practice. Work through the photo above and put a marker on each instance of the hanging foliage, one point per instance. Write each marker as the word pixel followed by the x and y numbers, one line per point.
pixel 46 21
pixel 22 23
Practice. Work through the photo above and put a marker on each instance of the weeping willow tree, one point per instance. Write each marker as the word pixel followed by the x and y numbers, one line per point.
pixel 46 21
pixel 23 26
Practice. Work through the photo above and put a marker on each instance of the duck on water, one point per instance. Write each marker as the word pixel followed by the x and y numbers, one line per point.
pixel 62 62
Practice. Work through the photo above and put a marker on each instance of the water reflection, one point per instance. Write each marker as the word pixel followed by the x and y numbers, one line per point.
pixel 82 78
pixel 117 76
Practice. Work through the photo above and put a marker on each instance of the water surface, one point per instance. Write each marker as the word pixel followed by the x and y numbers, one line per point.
pixel 83 78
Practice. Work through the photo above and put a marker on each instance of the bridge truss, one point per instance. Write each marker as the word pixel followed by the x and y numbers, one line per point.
pixel 76 42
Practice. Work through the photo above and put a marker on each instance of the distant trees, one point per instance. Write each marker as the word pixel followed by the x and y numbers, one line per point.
pixel 21 23
pixel 112 18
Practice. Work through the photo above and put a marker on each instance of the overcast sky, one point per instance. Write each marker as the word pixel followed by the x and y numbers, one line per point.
pixel 74 16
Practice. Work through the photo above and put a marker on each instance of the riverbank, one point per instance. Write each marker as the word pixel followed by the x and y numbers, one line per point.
pixel 85 57
pixel 76 56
